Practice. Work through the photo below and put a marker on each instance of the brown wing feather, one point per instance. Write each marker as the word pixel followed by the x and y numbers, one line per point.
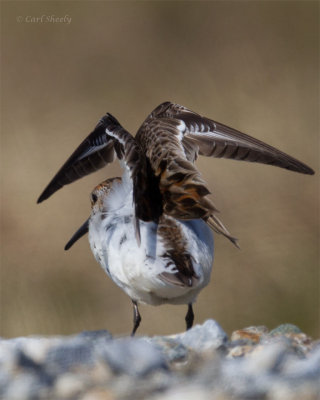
pixel 96 151
pixel 183 191
pixel 213 139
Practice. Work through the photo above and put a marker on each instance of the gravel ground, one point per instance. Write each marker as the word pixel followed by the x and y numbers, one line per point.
pixel 201 364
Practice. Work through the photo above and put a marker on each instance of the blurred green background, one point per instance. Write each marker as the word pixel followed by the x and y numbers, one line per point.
pixel 250 65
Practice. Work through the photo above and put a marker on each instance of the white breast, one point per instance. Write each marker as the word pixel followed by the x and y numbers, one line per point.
pixel 136 268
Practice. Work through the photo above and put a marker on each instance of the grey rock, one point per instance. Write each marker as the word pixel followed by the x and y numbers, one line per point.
pixel 171 349
pixel 132 356
pixel 72 352
pixel 304 369
pixel 285 329
pixel 201 338
pixel 25 386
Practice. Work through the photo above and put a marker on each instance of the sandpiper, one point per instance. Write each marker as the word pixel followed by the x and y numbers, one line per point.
pixel 150 229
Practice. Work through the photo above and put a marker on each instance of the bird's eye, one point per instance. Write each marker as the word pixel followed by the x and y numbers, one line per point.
pixel 94 198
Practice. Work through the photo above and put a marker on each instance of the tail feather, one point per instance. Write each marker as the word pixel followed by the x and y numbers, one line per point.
pixel 214 222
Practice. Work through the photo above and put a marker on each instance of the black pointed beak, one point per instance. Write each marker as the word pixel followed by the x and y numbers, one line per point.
pixel 84 228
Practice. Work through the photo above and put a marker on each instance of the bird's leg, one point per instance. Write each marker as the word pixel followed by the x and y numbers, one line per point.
pixel 189 317
pixel 136 317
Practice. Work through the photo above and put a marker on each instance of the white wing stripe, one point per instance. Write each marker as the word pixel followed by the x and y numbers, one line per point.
pixel 211 135
pixel 181 128
pixel 92 150
pixel 116 136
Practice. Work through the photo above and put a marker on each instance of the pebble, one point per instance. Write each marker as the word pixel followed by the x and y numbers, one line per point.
pixel 136 357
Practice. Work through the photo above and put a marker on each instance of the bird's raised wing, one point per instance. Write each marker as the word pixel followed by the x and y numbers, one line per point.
pixel 172 137
pixel 182 191
pixel 206 137
pixel 107 139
